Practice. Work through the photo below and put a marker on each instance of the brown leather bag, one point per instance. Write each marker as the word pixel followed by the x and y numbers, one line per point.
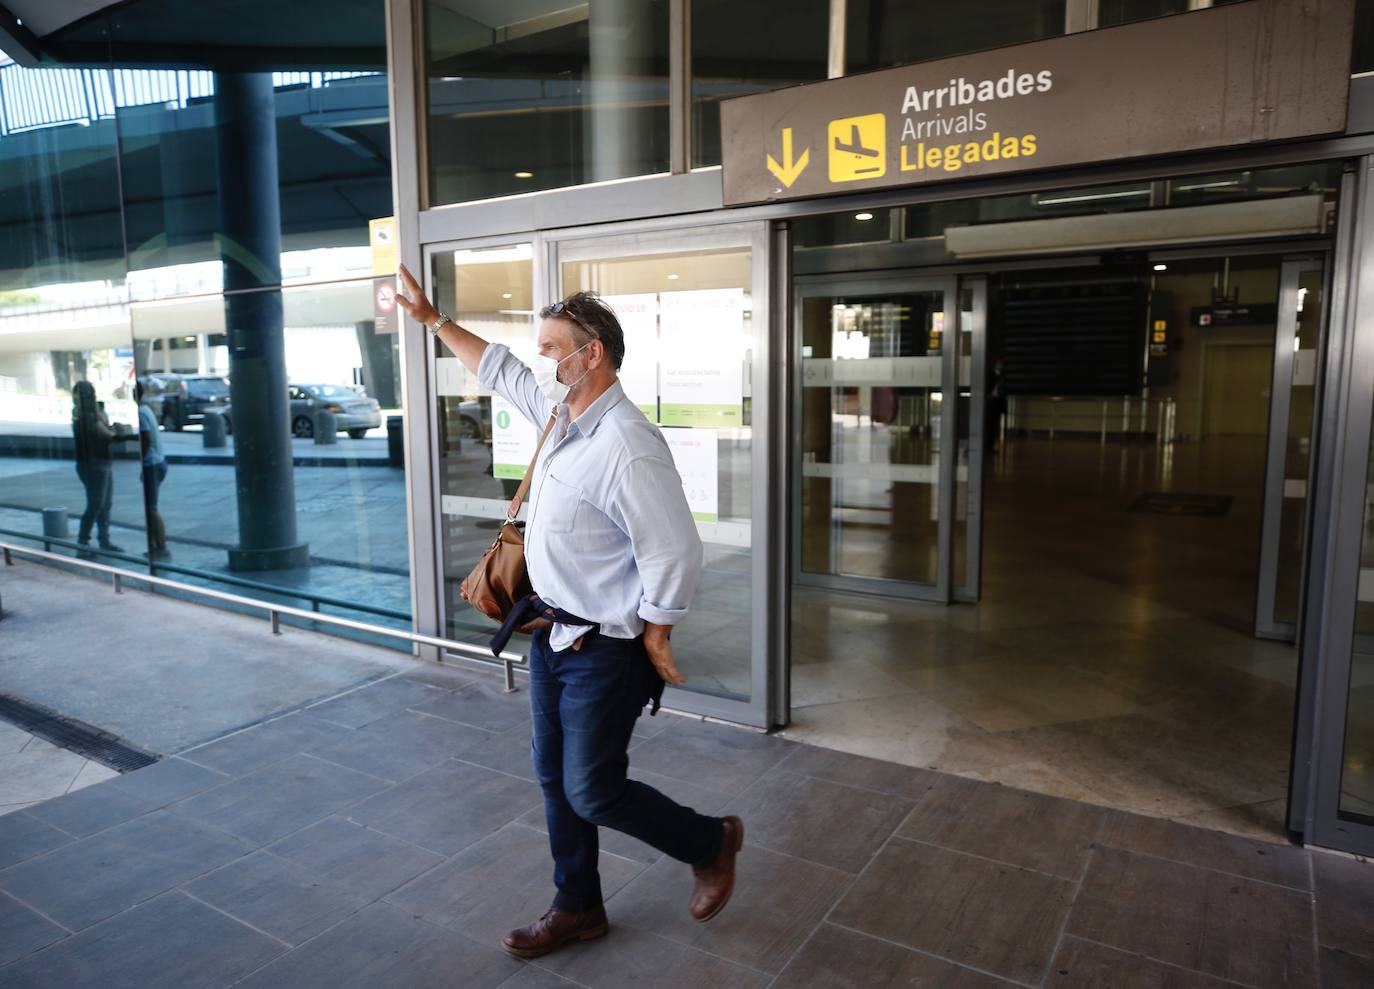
pixel 500 578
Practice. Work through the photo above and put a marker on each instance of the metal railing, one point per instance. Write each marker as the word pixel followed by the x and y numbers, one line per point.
pixel 1118 416
pixel 315 600
pixel 51 97
pixel 461 650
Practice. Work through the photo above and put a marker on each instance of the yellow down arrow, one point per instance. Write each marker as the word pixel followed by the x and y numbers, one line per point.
pixel 788 171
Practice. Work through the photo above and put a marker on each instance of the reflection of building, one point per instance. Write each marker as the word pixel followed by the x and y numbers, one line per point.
pixel 1115 598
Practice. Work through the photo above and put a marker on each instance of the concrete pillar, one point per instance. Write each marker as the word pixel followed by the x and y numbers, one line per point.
pixel 250 247
pixel 381 373
pixel 621 40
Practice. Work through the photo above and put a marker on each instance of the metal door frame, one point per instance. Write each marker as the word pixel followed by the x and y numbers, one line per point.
pixel 1276 458
pixel 1331 590
pixel 619 241
pixel 972 589
pixel 877 284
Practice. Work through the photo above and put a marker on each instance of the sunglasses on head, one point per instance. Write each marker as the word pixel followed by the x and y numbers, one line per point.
pixel 561 309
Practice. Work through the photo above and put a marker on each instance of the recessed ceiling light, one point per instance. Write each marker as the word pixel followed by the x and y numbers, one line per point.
pixel 672 278
pixel 524 175
pixel 1161 267
pixel 863 216
pixel 505 295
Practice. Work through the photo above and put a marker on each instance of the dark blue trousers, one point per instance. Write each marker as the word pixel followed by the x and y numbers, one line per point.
pixel 584 704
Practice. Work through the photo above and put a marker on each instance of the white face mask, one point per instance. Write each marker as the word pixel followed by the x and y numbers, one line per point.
pixel 546 375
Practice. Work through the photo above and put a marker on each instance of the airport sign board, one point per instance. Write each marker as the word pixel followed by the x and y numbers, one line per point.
pixel 1245 73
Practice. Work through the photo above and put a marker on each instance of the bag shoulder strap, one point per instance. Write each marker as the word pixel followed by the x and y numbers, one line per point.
pixel 524 488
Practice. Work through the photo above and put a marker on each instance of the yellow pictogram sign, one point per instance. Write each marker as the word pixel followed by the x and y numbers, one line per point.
pixel 858 148
pixel 788 171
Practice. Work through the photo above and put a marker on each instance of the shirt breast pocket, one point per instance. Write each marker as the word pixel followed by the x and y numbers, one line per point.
pixel 557 508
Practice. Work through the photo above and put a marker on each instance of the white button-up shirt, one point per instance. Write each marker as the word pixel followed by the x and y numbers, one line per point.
pixel 608 533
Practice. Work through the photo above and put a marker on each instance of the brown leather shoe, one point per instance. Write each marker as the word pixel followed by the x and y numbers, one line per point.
pixel 716 882
pixel 555 929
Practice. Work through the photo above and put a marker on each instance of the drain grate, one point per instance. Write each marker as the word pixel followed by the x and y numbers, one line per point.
pixel 75 736
pixel 1173 503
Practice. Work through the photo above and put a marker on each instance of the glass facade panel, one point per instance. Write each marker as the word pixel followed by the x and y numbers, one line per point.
pixel 66 350
pixel 727 59
pixel 1362 59
pixel 883 33
pixel 489 291
pixel 1113 12
pixel 688 321
pixel 544 95
pixel 868 226
pixel 222 269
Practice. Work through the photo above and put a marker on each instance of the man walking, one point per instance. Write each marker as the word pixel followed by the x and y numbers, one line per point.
pixel 611 544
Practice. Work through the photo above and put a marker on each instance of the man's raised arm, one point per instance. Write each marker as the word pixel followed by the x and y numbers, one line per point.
pixel 468 347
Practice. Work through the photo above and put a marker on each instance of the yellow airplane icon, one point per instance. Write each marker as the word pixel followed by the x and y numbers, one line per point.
pixel 858 148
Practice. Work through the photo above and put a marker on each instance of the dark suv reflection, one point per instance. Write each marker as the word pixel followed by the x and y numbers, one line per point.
pixel 178 400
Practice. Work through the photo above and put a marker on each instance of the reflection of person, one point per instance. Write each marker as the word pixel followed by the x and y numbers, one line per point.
pixel 610 537
pixel 996 407
pixel 154 473
pixel 94 464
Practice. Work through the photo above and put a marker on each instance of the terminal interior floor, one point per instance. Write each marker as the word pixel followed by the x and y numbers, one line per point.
pixel 1111 657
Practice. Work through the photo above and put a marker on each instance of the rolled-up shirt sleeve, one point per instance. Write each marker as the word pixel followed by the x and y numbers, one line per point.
pixel 502 372
pixel 652 508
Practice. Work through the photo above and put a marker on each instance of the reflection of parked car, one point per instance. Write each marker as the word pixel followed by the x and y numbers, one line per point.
pixel 474 419
pixel 355 413
pixel 180 399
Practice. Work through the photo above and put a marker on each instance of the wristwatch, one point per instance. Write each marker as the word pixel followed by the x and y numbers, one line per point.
pixel 438 323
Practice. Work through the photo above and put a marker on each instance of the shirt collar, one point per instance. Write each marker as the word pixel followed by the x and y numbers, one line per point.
pixel 592 415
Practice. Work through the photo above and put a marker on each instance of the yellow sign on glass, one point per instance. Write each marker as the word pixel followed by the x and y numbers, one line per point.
pixel 858 148
pixel 382 237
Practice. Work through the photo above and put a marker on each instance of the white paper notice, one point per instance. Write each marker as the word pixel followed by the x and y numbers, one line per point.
pixel 638 316
pixel 695 453
pixel 701 348
pixel 513 440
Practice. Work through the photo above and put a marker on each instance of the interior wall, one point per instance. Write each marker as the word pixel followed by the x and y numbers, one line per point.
pixel 1191 286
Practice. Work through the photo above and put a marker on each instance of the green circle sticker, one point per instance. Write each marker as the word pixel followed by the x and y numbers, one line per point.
pixel 503 420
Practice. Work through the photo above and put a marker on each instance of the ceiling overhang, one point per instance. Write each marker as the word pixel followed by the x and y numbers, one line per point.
pixel 314 35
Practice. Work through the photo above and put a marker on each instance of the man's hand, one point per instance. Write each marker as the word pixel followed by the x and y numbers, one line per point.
pixel 661 653
pixel 468 347
pixel 411 298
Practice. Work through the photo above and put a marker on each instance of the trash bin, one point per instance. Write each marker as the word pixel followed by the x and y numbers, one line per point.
pixel 395 441
pixel 214 431
pixel 326 428
pixel 55 523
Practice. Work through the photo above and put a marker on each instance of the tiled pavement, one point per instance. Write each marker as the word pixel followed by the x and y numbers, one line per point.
pixel 32 769
pixel 388 837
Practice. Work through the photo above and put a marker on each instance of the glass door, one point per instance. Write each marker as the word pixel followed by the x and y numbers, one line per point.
pixel 694 307
pixel 1337 809
pixel 876 445
pixel 1289 462
pixel 492 290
